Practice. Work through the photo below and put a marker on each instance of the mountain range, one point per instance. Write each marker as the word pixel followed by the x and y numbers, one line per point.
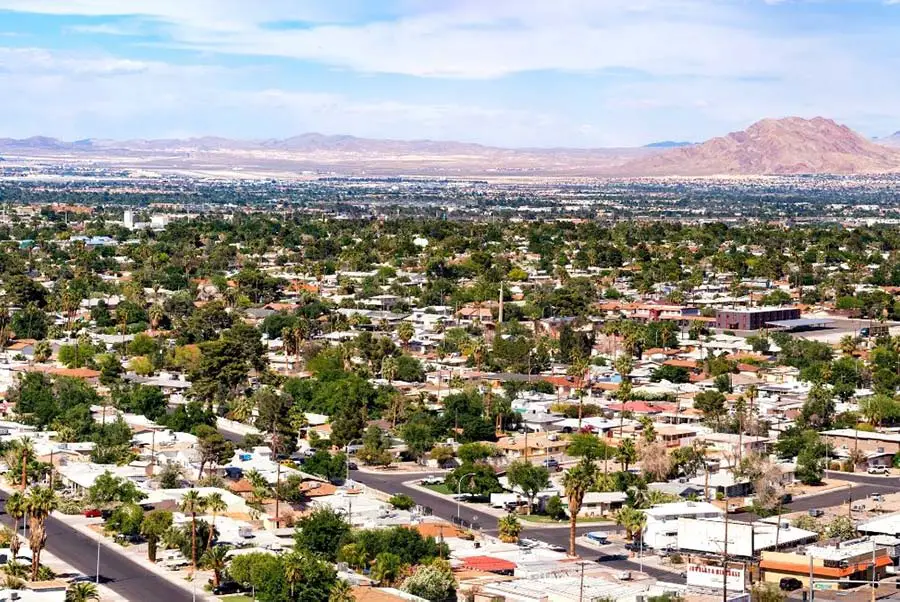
pixel 772 146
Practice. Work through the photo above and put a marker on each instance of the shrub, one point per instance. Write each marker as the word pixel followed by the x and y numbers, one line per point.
pixel 401 501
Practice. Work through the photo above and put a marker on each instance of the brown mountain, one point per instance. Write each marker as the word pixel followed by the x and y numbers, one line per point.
pixel 774 146
pixel 892 141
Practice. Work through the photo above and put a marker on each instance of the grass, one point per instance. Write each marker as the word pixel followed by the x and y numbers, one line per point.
pixel 542 518
pixel 238 598
pixel 442 489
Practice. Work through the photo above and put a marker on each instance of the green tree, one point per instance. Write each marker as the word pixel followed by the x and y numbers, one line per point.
pixel 626 453
pixel 109 490
pixel 388 569
pixel 125 520
pixel 481 479
pixel 154 525
pixel 322 532
pixel 216 559
pixel 529 478
pixel 811 459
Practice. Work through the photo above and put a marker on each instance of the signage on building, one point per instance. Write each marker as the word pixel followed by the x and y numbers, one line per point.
pixel 701 575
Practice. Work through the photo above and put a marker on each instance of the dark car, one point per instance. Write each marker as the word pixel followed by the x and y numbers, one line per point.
pixel 105 514
pixel 790 584
pixel 228 587
pixel 633 546
pixel 611 557
pixel 352 466
pixel 815 512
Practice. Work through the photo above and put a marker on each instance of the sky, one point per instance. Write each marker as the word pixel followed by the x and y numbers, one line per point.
pixel 582 73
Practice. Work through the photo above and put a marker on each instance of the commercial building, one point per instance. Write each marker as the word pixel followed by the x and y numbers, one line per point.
pixel 754 318
pixel 661 531
pixel 833 567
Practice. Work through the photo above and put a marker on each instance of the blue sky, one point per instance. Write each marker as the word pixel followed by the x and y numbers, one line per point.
pixel 503 72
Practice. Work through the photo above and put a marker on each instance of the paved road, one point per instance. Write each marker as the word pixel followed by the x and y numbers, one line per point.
pixel 446 508
pixel 127 578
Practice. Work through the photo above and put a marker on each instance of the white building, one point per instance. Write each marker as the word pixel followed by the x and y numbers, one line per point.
pixel 661 531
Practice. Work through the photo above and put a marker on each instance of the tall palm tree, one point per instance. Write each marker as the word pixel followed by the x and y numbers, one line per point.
pixel 25 450
pixel 82 591
pixel 576 483
pixel 214 505
pixel 15 507
pixel 579 370
pixel 192 503
pixel 39 503
pixel 216 559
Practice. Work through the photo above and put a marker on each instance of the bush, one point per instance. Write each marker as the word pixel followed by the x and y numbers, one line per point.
pixel 554 508
pixel 676 559
pixel 70 506
pixel 401 501
pixel 834 465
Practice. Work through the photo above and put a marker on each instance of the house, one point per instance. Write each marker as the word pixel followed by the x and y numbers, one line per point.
pixel 599 503
pixel 754 318
pixel 530 446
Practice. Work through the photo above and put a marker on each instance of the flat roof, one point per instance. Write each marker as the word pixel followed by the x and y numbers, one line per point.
pixel 800 323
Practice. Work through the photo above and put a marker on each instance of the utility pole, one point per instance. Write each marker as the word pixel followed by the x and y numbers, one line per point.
pixel 581 584
pixel 725 557
pixel 812 589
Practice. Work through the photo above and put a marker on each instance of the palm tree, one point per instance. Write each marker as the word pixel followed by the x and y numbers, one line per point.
pixel 387 568
pixel 216 559
pixel 23 451
pixel 578 369
pixel 292 565
pixel 39 503
pixel 15 507
pixel 510 528
pixel 632 520
pixel 214 505
pixel 192 503
pixel 289 343
pixel 627 453
pixel 405 331
pixel 82 591
pixel 388 369
pixel 576 483
pixel 42 351
pixel 156 314
pixel 341 591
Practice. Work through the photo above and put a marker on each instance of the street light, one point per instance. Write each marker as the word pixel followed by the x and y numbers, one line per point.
pixel 347 454
pixel 459 492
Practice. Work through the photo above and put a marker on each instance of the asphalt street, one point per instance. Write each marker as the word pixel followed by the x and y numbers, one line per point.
pixel 446 508
pixel 121 574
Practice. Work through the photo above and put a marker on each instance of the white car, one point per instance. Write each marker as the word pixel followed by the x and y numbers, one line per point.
pixel 432 480
pixel 879 470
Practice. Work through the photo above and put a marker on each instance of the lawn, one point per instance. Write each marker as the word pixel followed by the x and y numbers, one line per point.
pixel 442 489
pixel 541 518
pixel 238 598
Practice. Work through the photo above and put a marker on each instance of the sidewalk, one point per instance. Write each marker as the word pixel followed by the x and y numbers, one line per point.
pixel 91 527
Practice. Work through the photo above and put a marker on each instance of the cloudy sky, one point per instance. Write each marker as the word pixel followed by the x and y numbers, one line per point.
pixel 504 72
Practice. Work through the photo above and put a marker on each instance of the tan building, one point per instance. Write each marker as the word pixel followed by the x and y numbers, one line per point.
pixel 865 441
pixel 833 567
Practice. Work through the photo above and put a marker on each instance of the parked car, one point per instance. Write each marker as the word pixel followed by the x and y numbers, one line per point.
pixel 879 470
pixel 352 466
pixel 228 587
pixel 633 546
pixel 92 513
pixel 815 512
pixel 787 498
pixel 106 513
pixel 432 480
pixel 610 557
pixel 551 464
pixel 789 584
